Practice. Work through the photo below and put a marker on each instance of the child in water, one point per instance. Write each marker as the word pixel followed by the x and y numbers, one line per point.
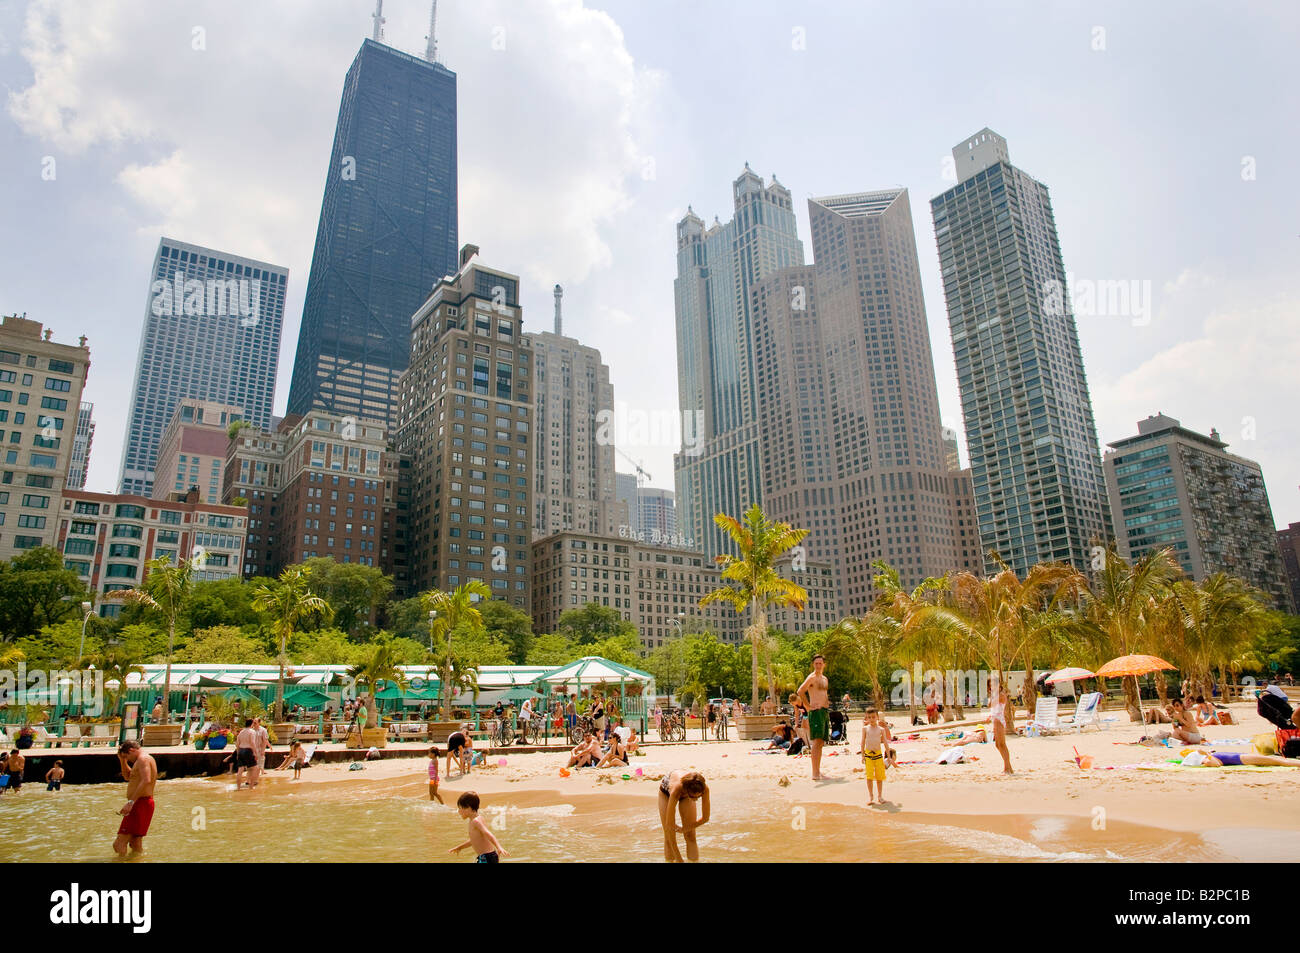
pixel 480 838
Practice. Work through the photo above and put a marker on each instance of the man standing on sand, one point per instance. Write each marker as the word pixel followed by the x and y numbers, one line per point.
pixel 261 745
pixel 814 695
pixel 245 753
pixel 140 772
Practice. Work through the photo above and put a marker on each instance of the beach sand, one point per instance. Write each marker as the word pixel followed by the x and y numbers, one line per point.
pixel 1047 779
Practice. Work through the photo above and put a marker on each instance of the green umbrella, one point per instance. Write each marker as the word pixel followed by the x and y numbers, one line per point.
pixel 306 697
pixel 521 694
pixel 231 694
pixel 390 691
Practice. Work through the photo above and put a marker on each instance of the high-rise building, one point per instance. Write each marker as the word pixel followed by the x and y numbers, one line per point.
pixel 321 485
pixel 720 468
pixel 211 332
pixel 81 443
pixel 1173 487
pixel 1288 540
pixel 573 459
pixel 108 539
pixel 1030 433
pixel 466 428
pixel 848 409
pixel 39 381
pixel 387 233
pixel 651 513
pixel 951 453
pixel 192 453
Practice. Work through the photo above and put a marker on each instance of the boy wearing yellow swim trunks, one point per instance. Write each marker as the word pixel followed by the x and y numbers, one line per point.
pixel 875 735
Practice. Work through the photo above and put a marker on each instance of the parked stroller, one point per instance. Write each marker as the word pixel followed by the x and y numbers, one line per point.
pixel 839 728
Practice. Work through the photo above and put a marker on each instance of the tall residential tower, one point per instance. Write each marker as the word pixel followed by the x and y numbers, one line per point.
pixel 1039 490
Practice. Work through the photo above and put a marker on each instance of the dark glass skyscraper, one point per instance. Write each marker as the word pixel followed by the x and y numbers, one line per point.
pixel 387 233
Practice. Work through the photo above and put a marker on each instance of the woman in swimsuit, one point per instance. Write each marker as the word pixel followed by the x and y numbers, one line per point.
pixel 1230 759
pixel 997 714
pixel 678 792
pixel 617 755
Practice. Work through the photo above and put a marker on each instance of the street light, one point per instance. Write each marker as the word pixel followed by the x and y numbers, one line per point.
pixel 433 614
pixel 85 610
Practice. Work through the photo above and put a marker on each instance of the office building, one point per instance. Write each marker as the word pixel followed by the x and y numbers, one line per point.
pixel 192 453
pixel 1030 433
pixel 649 513
pixel 1176 488
pixel 81 443
pixel 387 233
pixel 41 383
pixel 465 426
pixel 573 460
pixel 1288 541
pixel 108 538
pixel 211 332
pixel 720 467
pixel 656 588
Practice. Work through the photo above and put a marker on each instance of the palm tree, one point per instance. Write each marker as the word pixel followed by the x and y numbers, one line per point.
pixel 287 604
pixel 11 655
pixel 1121 606
pixel 1006 618
pixel 924 629
pixel 165 591
pixel 454 609
pixel 754 578
pixel 381 666
pixel 1220 616
pixel 862 647
pixel 117 662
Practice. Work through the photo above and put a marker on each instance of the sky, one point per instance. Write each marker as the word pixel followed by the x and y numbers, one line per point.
pixel 1166 132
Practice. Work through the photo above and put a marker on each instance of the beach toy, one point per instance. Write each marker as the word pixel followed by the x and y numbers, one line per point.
pixel 639 772
pixel 1264 744
pixel 627 777
pixel 501 763
pixel 564 772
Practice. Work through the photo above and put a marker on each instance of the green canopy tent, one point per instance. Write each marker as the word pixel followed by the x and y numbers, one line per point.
pixel 239 694
pixel 520 694
pixel 306 697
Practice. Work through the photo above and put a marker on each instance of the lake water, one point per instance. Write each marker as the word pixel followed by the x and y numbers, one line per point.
pixel 392 820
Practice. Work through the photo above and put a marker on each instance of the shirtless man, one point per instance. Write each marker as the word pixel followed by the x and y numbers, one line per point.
pixel 17 762
pixel 875 738
pixel 261 745
pixel 1184 728
pixel 140 772
pixel 814 695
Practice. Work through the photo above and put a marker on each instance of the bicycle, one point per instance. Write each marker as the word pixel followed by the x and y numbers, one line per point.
pixel 672 728
pixel 533 730
pixel 503 734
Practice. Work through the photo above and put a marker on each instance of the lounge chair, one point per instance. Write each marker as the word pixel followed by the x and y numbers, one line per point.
pixel 1045 717
pixel 100 735
pixel 71 736
pixel 1085 713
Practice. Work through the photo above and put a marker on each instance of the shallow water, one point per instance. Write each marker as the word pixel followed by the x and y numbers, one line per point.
pixel 390 820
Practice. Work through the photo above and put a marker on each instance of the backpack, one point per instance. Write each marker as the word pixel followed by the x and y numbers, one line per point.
pixel 795 746
pixel 1275 709
pixel 1288 742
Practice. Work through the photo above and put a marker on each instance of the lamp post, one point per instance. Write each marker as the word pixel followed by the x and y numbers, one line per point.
pixel 85 617
pixel 433 614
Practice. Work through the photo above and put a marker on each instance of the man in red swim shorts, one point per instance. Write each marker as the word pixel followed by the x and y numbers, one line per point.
pixel 140 771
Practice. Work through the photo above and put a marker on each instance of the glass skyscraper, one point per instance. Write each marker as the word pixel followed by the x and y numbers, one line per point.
pixel 1036 465
pixel 211 331
pixel 387 233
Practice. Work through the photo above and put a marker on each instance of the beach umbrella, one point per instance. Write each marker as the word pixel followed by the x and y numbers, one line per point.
pixel 520 694
pixel 1068 675
pixel 1135 665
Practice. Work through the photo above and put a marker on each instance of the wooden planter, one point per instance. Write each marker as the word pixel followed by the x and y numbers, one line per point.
pixel 283 733
pixel 370 738
pixel 159 736
pixel 440 731
pixel 757 727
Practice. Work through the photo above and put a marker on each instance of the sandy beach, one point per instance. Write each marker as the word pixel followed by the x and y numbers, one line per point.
pixel 1127 783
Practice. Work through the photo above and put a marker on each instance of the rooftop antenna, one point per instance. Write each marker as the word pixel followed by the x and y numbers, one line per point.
pixel 559 324
pixel 378 17
pixel 431 50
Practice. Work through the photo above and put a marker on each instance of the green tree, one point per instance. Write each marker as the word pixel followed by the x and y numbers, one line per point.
pixel 409 618
pixel 511 626
pixel 355 592
pixel 864 648
pixel 165 591
pixel 327 647
pixel 222 643
pixel 222 602
pixel 286 606
pixel 375 669
pixel 36 591
pixel 713 664
pixel 623 648
pixel 455 610
pixel 592 623
pixel 667 664
pixel 1221 617
pixel 552 648
pixel 752 577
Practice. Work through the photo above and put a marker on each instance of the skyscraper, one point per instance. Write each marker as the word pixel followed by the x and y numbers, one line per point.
pixel 1176 488
pixel 211 331
pixel 848 408
pixel 720 468
pixel 1036 464
pixel 573 468
pixel 466 426
pixel 387 233
pixel 81 443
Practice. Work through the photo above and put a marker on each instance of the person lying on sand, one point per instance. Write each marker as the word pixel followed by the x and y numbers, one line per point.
pixel 1230 759
pixel 1159 716
pixel 975 736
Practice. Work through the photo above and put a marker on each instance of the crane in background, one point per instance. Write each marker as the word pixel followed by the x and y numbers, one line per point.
pixel 642 477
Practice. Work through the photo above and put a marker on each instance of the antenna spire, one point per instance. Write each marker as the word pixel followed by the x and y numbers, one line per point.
pixel 431 50
pixel 559 324
pixel 378 17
